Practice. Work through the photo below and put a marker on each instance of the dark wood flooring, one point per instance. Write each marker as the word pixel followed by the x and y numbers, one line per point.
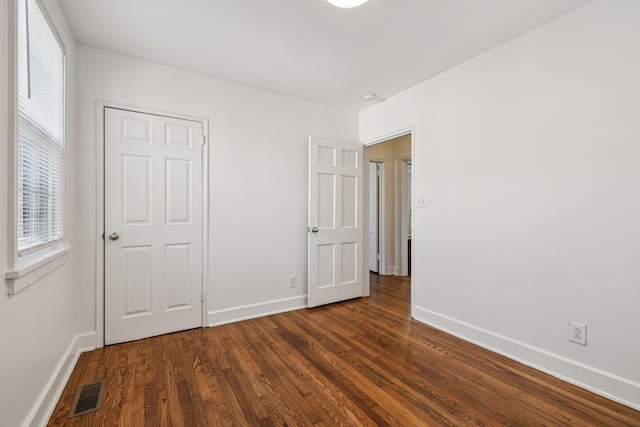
pixel 358 363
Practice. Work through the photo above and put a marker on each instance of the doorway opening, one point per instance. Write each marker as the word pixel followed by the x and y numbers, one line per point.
pixel 390 205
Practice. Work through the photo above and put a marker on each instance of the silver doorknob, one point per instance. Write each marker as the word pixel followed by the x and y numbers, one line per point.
pixel 114 236
pixel 314 229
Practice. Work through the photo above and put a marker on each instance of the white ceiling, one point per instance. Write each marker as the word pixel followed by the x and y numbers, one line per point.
pixel 308 48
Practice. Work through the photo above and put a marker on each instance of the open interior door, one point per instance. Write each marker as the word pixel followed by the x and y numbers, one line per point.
pixel 335 265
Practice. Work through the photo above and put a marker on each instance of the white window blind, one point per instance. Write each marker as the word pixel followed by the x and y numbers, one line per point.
pixel 40 133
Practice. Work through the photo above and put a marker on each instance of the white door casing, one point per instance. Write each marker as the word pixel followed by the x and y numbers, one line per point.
pixel 403 219
pixel 373 217
pixel 154 205
pixel 335 236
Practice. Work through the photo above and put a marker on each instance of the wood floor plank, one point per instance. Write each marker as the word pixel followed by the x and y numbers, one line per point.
pixel 336 372
pixel 327 400
pixel 398 386
pixel 280 397
pixel 362 362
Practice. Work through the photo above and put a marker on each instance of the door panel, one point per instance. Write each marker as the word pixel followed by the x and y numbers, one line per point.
pixel 178 199
pixel 335 221
pixel 136 280
pixel 178 260
pixel 153 202
pixel 349 209
pixel 326 193
pixel 136 189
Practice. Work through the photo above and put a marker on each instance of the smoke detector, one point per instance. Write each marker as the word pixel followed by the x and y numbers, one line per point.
pixel 372 97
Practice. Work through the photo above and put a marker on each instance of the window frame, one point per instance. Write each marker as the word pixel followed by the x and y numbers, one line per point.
pixel 25 269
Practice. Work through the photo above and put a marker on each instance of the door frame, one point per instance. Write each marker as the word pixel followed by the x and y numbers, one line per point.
pixel 402 221
pixel 382 238
pixel 100 207
pixel 373 141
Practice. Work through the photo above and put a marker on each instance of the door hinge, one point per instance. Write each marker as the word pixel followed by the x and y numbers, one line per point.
pixel 203 297
pixel 204 139
pixel 102 236
pixel 379 257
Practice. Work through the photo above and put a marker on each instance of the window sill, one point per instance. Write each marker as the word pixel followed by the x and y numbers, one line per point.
pixel 34 267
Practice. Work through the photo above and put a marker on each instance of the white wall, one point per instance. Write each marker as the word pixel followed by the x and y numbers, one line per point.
pixel 258 177
pixel 529 155
pixel 37 336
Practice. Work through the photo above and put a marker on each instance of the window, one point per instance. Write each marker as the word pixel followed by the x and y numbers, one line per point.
pixel 40 130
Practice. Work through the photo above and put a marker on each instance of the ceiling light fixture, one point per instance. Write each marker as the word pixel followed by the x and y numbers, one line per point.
pixel 346 4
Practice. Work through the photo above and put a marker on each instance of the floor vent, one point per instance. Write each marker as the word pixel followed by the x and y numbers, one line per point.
pixel 88 399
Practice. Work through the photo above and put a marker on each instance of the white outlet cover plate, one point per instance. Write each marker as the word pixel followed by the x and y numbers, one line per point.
pixel 421 201
pixel 578 333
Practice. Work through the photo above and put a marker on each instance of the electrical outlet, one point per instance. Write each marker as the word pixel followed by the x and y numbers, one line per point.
pixel 578 333
pixel 292 281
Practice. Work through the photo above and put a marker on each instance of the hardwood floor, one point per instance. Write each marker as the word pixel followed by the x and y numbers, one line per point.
pixel 362 362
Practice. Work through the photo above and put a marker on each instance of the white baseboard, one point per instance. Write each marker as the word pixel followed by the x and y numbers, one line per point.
pixel 390 270
pixel 42 410
pixel 86 342
pixel 236 314
pixel 606 384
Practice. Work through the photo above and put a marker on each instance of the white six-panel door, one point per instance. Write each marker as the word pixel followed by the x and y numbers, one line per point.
pixel 153 225
pixel 335 264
